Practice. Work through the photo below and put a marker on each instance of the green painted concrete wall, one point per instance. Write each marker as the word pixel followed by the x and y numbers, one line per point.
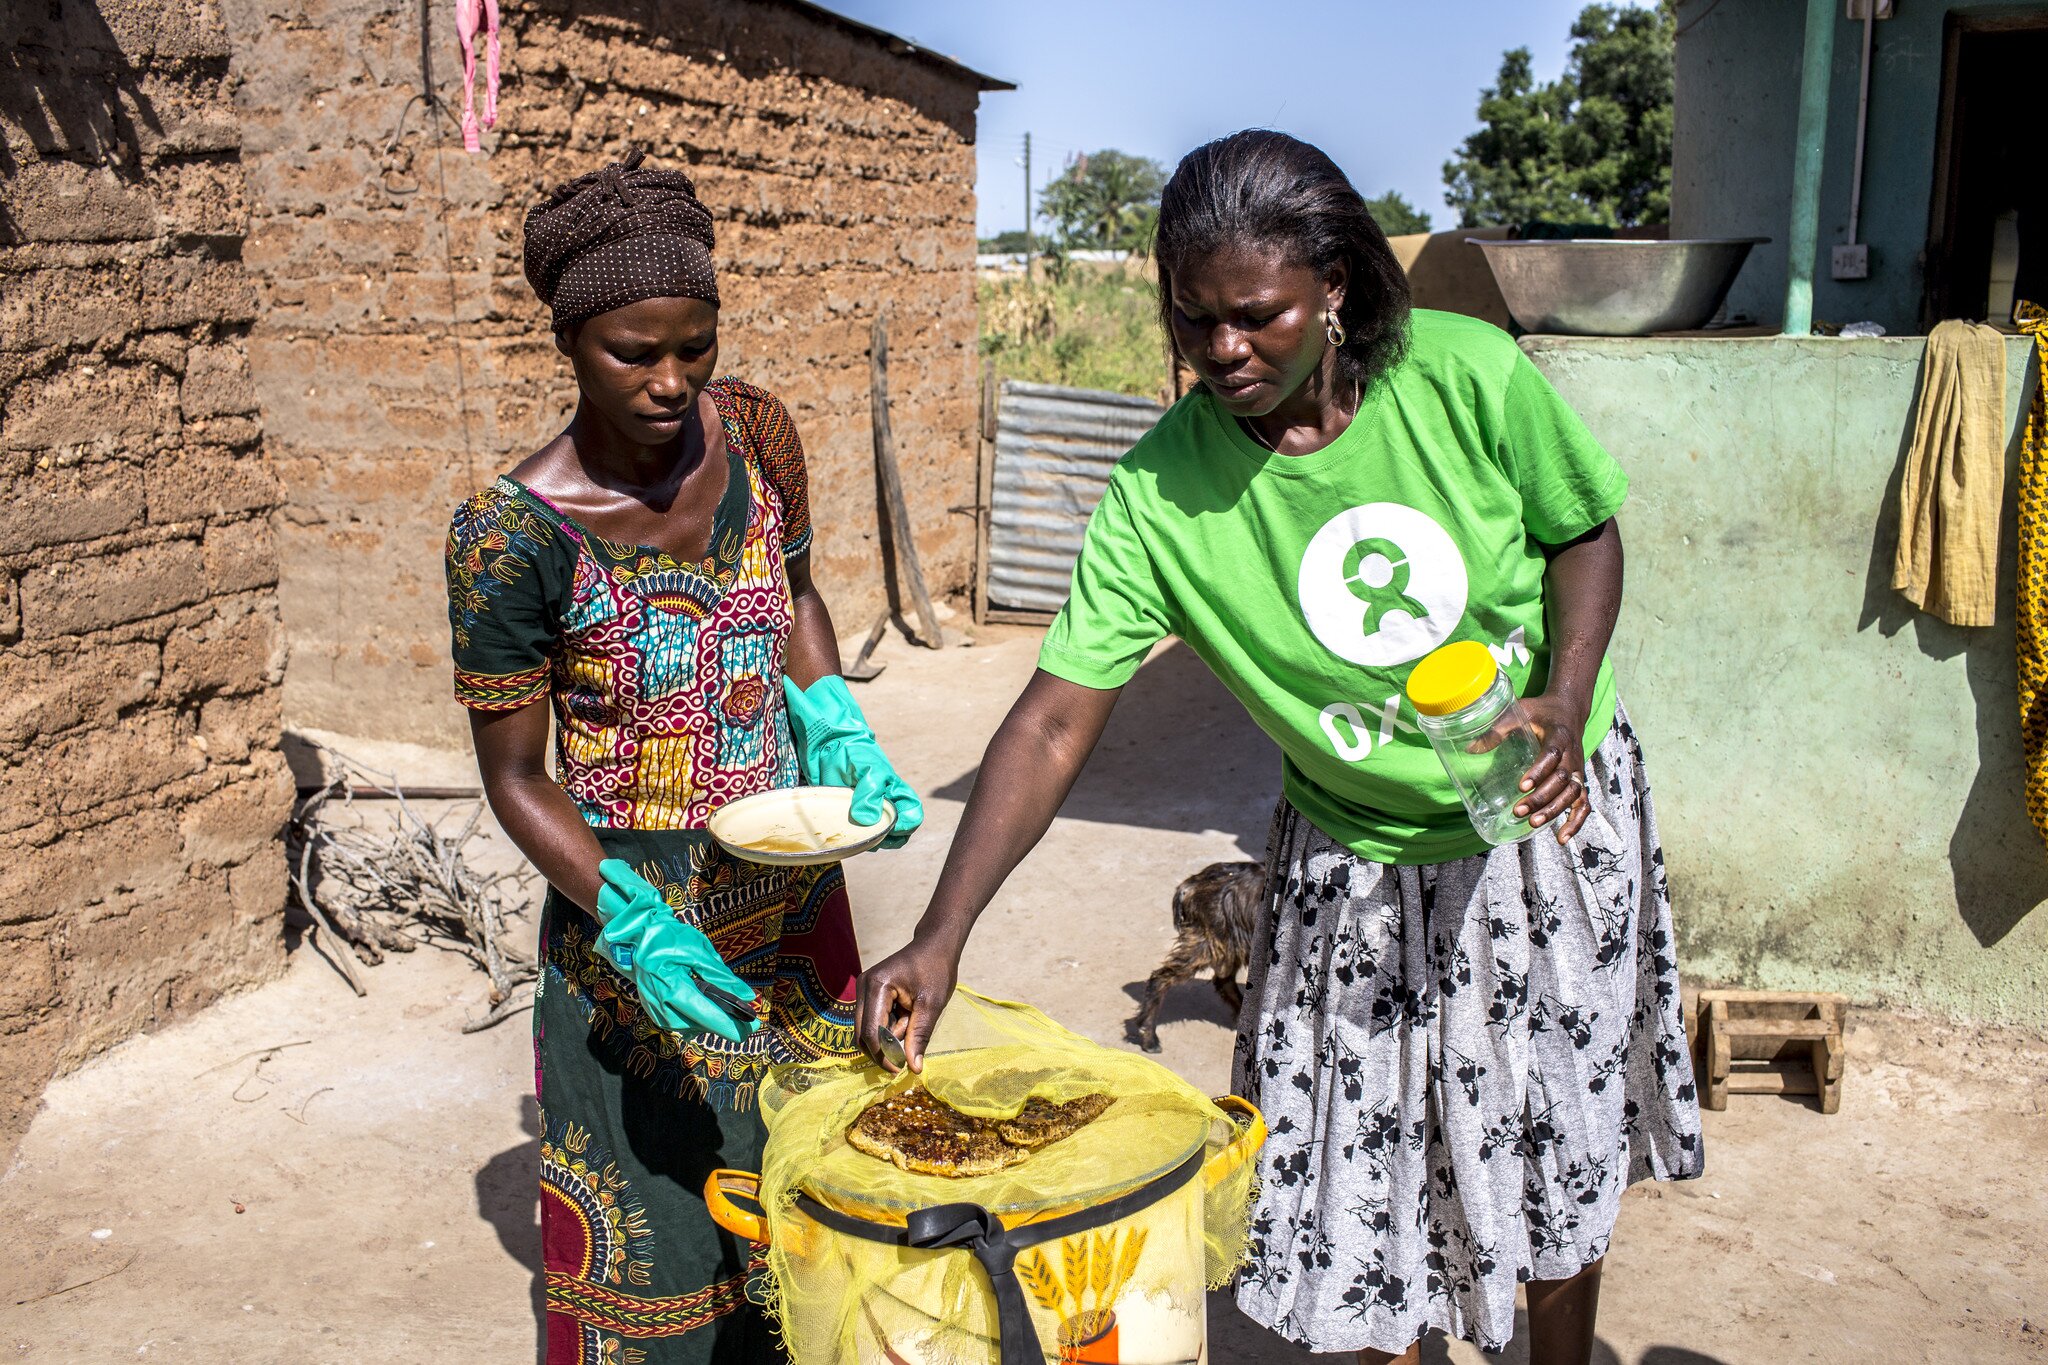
pixel 1735 110
pixel 1837 775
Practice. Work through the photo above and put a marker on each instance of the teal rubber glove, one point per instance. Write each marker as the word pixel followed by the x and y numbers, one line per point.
pixel 837 749
pixel 669 962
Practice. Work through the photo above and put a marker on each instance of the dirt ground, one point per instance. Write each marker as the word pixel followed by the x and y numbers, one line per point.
pixel 300 1175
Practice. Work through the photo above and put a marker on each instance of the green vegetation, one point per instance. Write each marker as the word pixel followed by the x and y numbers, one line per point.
pixel 1095 327
pixel 1593 146
pixel 1396 216
pixel 1090 325
pixel 1080 323
pixel 1106 199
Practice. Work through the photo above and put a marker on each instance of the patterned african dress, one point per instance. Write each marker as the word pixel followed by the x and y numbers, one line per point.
pixel 666 684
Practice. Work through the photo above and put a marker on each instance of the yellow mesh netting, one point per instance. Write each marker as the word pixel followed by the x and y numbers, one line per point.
pixel 839 1298
pixel 2031 634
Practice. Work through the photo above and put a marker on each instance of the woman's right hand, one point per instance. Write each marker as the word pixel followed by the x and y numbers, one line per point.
pixel 917 979
pixel 1030 766
pixel 673 965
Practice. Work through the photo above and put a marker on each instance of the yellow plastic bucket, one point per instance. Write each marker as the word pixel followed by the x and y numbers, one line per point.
pixel 1129 1290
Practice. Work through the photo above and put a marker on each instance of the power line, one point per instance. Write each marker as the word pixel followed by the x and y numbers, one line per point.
pixel 1694 22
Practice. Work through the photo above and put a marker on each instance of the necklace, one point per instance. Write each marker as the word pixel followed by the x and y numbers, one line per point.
pixel 1251 429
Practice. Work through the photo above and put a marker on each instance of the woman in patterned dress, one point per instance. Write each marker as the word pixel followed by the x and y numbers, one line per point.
pixel 1465 1054
pixel 642 581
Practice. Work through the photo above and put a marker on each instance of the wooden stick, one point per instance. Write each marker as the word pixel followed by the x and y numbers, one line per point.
pixel 254 1052
pixel 104 1274
pixel 984 487
pixel 344 958
pixel 497 1014
pixel 892 484
pixel 298 1115
pixel 860 670
pixel 1783 1028
pixel 365 793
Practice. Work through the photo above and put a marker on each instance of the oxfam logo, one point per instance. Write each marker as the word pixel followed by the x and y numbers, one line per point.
pixel 1382 584
pixel 1377 573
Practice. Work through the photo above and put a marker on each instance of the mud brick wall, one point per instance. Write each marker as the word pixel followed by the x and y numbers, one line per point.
pixel 402 362
pixel 142 792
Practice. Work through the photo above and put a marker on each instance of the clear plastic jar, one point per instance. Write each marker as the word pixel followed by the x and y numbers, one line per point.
pixel 1467 707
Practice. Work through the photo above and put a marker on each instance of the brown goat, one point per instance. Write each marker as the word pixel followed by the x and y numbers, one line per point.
pixel 1214 910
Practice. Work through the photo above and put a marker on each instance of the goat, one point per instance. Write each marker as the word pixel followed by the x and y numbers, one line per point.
pixel 1214 910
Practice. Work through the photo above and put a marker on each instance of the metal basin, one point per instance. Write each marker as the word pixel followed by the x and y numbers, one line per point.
pixel 1598 287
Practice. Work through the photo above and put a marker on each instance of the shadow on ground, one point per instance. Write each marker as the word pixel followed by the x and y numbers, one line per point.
pixel 1179 753
pixel 1191 999
pixel 508 1198
pixel 1235 1337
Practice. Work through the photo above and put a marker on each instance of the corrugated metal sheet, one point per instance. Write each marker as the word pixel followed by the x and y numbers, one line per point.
pixel 1055 448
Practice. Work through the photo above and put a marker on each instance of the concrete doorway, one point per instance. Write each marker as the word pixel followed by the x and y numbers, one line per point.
pixel 1988 237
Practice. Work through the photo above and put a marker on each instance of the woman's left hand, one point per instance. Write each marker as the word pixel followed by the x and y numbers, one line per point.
pixel 1554 788
pixel 837 749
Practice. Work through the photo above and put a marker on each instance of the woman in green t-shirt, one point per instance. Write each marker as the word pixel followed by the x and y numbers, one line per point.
pixel 1465 1054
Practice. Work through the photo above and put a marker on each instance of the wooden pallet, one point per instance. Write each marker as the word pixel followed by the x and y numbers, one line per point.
pixel 1802 1028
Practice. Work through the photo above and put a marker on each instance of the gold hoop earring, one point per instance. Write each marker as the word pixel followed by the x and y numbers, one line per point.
pixel 1333 330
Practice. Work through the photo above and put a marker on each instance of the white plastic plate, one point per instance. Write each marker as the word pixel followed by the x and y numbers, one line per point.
pixel 797 826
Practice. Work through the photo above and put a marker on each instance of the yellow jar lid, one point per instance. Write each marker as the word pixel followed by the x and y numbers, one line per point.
pixel 1451 678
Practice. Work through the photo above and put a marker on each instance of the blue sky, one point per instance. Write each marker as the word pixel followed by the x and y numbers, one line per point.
pixel 1387 89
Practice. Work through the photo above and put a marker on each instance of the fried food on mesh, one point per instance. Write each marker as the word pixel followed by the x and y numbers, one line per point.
pixel 1042 1122
pixel 921 1133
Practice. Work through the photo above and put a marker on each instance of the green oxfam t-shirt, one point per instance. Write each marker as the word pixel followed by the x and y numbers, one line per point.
pixel 1311 584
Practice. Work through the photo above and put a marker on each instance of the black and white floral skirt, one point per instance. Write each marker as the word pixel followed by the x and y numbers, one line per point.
pixel 1462 1066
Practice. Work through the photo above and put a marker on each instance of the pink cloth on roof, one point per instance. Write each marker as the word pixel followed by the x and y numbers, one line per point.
pixel 471 15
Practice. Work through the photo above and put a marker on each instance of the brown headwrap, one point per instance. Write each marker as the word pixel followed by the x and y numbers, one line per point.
pixel 616 236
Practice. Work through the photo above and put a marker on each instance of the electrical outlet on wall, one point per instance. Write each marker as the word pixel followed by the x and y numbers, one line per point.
pixel 1852 263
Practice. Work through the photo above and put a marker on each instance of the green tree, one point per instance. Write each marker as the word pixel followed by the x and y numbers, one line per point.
pixel 1396 216
pixel 1105 199
pixel 1008 241
pixel 1592 146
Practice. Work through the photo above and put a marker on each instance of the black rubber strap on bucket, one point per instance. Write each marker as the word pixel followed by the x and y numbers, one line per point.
pixel 996 1247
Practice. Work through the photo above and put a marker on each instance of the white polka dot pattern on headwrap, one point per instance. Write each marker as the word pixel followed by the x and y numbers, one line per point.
pixel 616 236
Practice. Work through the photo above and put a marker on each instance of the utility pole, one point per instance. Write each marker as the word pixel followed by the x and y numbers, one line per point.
pixel 1027 209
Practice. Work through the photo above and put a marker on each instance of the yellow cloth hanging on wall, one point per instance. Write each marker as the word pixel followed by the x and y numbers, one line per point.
pixel 2031 632
pixel 1952 495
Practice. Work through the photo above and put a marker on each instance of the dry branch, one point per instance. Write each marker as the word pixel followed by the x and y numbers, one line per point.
pixel 264 1052
pixel 93 1279
pixel 378 888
